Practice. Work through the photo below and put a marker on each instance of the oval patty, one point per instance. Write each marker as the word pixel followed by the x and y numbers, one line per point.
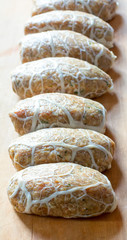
pixel 104 9
pixel 66 75
pixel 57 110
pixel 87 24
pixel 85 147
pixel 62 190
pixel 65 44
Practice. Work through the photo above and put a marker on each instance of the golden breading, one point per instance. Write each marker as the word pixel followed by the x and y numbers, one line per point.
pixel 61 190
pixel 58 43
pixel 66 75
pixel 57 110
pixel 85 147
pixel 87 24
pixel 104 9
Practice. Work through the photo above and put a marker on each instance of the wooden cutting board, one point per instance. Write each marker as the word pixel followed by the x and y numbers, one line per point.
pixel 15 226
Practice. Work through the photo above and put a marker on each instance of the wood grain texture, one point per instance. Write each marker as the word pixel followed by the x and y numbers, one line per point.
pixel 15 226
